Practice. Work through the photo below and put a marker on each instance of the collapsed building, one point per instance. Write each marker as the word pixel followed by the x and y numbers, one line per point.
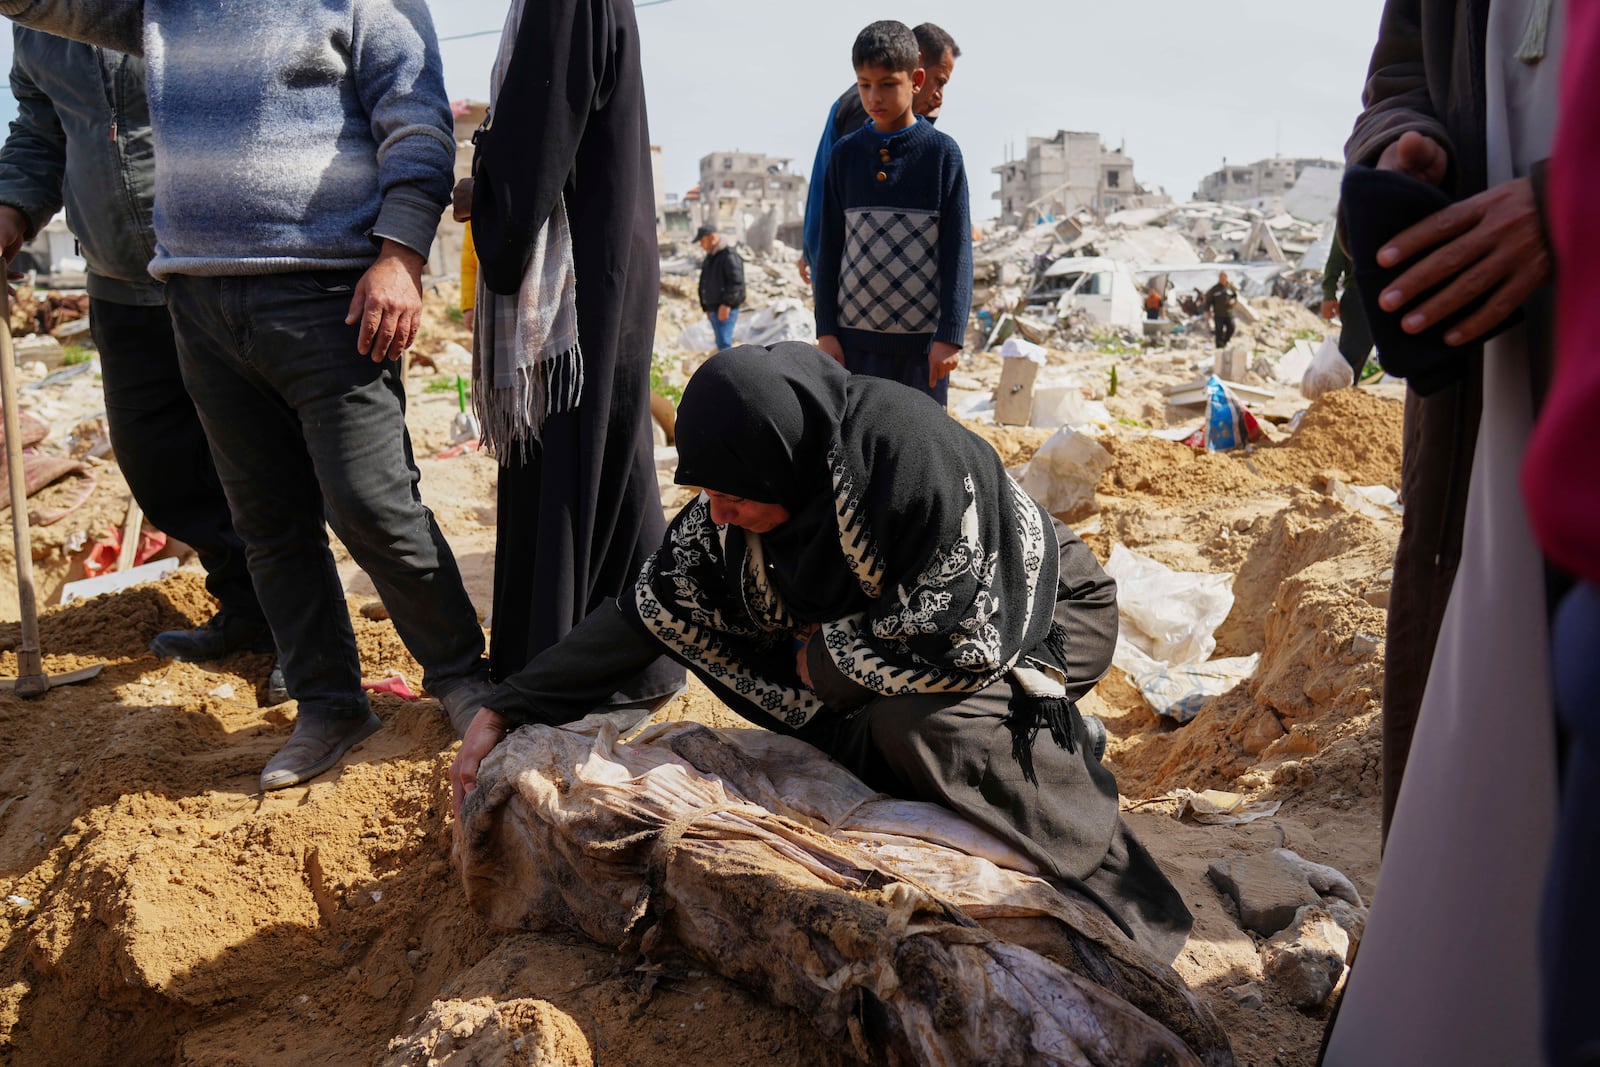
pixel 1060 176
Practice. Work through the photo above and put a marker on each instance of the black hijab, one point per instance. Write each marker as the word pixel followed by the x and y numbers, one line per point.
pixel 928 569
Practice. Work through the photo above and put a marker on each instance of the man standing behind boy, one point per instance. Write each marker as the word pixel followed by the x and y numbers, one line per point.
pixel 721 285
pixel 894 278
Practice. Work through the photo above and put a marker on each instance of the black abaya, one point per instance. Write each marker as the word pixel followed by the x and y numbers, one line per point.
pixel 579 518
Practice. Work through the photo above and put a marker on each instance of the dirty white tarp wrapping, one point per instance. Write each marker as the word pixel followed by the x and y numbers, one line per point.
pixel 1169 626
pixel 890 923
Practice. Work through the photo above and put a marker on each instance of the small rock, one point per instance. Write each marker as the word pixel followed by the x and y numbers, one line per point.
pixel 1306 961
pixel 1268 889
pixel 222 692
pixel 67 770
pixel 1364 645
pixel 374 610
pixel 414 959
pixel 1378 597
pixel 19 902
pixel 1247 996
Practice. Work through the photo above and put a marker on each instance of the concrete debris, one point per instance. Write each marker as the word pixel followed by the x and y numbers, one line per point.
pixel 1306 961
pixel 1325 880
pixel 1268 889
pixel 1247 996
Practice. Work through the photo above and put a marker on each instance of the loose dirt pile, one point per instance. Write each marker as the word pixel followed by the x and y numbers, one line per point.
pixel 158 910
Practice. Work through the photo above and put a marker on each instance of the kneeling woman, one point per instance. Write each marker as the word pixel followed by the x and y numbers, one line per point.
pixel 861 573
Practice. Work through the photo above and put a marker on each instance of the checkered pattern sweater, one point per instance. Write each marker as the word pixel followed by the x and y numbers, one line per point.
pixel 895 274
pixel 289 136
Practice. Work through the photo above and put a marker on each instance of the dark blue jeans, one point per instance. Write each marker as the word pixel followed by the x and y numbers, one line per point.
pixel 161 446
pixel 723 331
pixel 304 429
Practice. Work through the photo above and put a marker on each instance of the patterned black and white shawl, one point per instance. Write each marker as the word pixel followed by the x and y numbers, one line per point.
pixel 945 571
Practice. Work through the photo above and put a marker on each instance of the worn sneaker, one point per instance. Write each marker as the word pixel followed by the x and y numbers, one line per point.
pixel 462 702
pixel 316 744
pixel 216 637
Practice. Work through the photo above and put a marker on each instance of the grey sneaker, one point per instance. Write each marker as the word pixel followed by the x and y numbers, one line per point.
pixel 316 744
pixel 462 702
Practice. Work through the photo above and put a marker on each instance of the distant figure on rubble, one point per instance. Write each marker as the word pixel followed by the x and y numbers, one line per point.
pixel 936 644
pixel 81 140
pixel 937 52
pixel 1154 304
pixel 563 216
pixel 894 276
pixel 1355 335
pixel 296 199
pixel 1220 300
pixel 721 285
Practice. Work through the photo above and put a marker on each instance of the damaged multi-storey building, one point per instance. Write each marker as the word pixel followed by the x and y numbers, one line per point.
pixel 1066 174
pixel 753 199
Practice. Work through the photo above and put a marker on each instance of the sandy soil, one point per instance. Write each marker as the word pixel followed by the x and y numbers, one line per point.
pixel 159 910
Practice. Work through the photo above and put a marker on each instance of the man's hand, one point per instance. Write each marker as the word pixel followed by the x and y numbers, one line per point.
pixel 1489 245
pixel 488 729
pixel 1330 309
pixel 13 231
pixel 801 667
pixel 461 201
pixel 805 270
pixel 722 312
pixel 943 358
pixel 830 344
pixel 388 303
pixel 1418 156
pixel 468 318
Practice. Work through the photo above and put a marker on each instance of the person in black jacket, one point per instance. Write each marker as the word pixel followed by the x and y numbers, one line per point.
pixel 721 285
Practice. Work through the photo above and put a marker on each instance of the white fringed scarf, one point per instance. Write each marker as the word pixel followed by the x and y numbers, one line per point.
pixel 527 363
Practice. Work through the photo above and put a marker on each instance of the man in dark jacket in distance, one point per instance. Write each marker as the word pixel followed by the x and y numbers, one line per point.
pixel 82 140
pixel 721 285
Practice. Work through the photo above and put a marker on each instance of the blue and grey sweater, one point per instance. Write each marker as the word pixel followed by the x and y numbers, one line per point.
pixel 895 271
pixel 289 136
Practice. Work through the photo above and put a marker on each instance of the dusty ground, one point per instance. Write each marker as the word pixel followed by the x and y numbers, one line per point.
pixel 159 910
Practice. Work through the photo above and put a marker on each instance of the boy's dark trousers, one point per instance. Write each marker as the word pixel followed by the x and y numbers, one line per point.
pixel 304 429
pixel 909 370
pixel 161 447
pixel 1224 328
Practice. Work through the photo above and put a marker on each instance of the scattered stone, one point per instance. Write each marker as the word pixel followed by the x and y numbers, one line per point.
pixel 1306 961
pixel 1247 996
pixel 1364 645
pixel 1325 880
pixel 1351 919
pixel 222 692
pixel 374 610
pixel 1267 888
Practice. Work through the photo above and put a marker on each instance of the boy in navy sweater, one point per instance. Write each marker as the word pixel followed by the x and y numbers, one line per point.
pixel 894 281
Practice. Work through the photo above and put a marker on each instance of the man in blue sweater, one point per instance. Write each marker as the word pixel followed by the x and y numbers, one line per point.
pixel 296 197
pixel 894 274
pixel 81 140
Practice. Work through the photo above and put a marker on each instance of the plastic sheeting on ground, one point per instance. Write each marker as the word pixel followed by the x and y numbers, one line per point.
pixel 786 320
pixel 1170 620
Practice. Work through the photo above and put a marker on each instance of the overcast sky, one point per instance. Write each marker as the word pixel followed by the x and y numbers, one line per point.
pixel 1184 84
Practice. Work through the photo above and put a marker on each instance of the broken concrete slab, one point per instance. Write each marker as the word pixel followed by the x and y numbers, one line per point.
pixel 1268 889
pixel 1325 880
pixel 1306 961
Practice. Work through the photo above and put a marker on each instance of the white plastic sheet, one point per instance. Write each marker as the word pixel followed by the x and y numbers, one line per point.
pixel 786 320
pixel 1063 474
pixel 1169 625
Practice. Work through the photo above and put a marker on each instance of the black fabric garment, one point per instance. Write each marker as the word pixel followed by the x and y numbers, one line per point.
pixel 721 280
pixel 1220 300
pixel 1223 327
pixel 956 562
pixel 578 519
pixel 162 449
pixel 848 116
